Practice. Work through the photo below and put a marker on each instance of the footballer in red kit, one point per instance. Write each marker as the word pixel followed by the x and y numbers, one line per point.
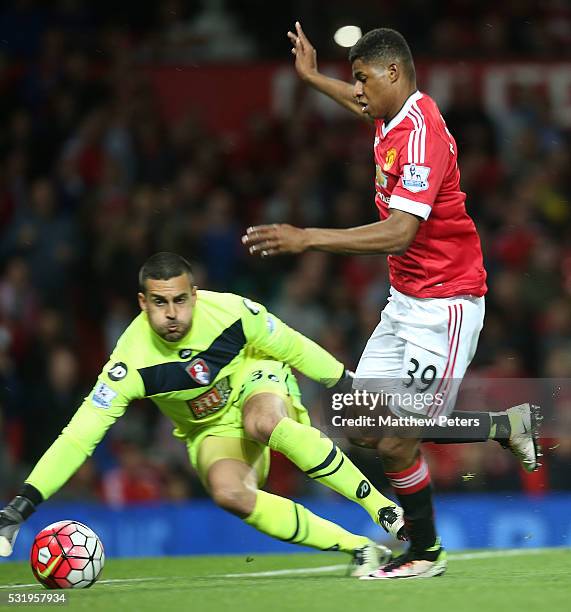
pixel 417 172
pixel 428 331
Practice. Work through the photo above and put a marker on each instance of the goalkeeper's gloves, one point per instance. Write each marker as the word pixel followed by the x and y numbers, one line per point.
pixel 12 517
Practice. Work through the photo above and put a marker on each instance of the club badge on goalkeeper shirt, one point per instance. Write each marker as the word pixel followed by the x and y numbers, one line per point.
pixel 199 371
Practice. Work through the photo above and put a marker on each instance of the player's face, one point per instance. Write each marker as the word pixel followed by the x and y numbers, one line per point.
pixel 374 87
pixel 169 304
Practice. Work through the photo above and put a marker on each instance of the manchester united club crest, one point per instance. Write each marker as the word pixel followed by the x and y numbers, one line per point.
pixel 390 159
pixel 198 371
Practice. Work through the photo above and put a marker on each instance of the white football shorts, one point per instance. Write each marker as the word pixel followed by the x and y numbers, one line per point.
pixel 419 352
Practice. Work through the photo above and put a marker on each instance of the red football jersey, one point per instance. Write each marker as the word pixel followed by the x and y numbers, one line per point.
pixel 417 172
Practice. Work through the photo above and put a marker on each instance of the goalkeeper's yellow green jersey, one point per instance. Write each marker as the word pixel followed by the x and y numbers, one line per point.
pixel 192 381
pixel 196 378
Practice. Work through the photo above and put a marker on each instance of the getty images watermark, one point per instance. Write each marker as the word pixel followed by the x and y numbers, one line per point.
pixel 376 401
pixel 437 408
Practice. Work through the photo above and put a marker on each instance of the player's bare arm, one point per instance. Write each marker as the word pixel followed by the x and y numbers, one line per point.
pixel 306 67
pixel 391 236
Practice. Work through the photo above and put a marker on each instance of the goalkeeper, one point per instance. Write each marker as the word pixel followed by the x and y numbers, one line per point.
pixel 218 366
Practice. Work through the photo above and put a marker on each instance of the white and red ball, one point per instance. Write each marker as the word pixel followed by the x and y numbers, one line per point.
pixel 67 555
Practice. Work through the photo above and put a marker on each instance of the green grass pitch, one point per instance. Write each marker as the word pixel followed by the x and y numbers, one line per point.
pixel 483 581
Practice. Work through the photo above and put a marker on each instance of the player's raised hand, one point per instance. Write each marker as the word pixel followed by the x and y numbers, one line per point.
pixel 305 54
pixel 276 239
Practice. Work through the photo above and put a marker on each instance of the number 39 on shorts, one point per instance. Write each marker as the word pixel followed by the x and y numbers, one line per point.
pixel 421 368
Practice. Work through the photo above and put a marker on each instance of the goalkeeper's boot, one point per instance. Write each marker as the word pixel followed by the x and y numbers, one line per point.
pixel 391 519
pixel 523 438
pixel 368 558
pixel 11 519
pixel 424 564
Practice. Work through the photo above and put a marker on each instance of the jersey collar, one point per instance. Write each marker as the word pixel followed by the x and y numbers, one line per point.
pixel 387 127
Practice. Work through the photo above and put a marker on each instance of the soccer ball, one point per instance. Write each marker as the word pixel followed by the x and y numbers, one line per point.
pixel 67 555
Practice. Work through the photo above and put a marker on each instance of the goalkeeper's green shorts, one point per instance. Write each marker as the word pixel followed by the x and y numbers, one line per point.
pixel 225 437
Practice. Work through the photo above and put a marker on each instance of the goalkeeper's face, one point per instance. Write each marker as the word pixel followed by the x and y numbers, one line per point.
pixel 169 305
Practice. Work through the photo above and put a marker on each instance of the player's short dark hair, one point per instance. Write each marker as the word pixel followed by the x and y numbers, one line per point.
pixel 162 266
pixel 384 45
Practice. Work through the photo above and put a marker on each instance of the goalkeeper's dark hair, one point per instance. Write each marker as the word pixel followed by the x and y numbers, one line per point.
pixel 384 45
pixel 162 266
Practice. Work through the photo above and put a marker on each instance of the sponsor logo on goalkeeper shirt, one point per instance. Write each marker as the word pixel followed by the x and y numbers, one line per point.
pixel 212 401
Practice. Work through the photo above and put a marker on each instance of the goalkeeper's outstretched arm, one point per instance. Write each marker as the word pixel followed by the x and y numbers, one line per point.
pixel 273 337
pixel 63 458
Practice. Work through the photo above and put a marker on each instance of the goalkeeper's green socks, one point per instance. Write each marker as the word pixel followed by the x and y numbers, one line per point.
pixel 285 520
pixel 321 460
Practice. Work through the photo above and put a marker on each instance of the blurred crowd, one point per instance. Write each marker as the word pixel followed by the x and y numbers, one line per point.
pixel 93 181
pixel 234 30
